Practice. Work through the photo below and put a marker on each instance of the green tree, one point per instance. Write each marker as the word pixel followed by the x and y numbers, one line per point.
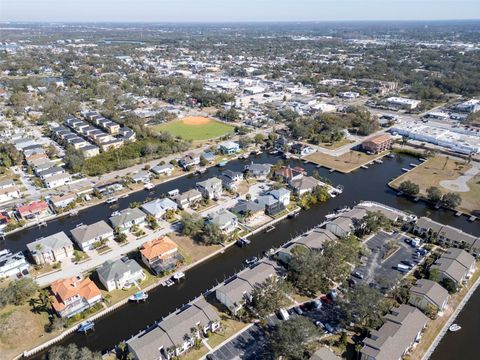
pixel 434 194
pixel 212 234
pixel 449 284
pixel 72 352
pixel 17 292
pixel 259 139
pixel 451 200
pixel 409 188
pixel 292 339
pixel 270 295
pixel 191 224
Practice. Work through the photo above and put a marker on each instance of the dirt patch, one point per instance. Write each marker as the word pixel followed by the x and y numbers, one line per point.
pixel 192 250
pixel 196 120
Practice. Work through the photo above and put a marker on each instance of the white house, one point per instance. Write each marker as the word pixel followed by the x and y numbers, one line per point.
pixel 120 274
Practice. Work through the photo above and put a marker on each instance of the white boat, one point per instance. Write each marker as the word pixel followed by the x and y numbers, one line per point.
pixel 168 283
pixel 111 200
pixel 124 196
pixel 149 186
pixel 454 327
pixel 364 167
pixel 85 326
pixel 74 213
pixel 178 275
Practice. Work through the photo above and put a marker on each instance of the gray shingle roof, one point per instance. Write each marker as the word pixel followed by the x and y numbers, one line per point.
pixel 86 233
pixel 50 243
pixel 112 270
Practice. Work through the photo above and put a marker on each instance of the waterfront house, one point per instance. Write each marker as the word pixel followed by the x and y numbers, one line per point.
pixel 346 223
pixel 208 156
pixel 57 180
pixel 224 219
pixel 35 209
pixel 248 210
pixel 120 274
pixel 74 295
pixel 271 205
pixel 160 254
pixel 12 264
pixel 427 294
pixel 166 169
pixel 189 160
pixel 456 265
pixel 236 292
pixel 177 333
pixel 402 329
pixel 51 249
pixel 282 195
pixel 127 218
pixel 324 353
pixel 51 171
pixel 288 174
pixel 230 179
pixel 210 188
pixel 85 236
pixel 60 201
pixel 188 198
pixel 301 149
pixel 229 147
pixel 258 171
pixel 304 184
pixel 159 207
pixel 141 177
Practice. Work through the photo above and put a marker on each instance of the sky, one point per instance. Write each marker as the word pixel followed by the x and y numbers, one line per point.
pixel 235 10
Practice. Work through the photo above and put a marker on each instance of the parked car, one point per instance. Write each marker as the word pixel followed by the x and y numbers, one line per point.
pixel 409 263
pixel 358 274
pixel 283 314
pixel 319 324
pixel 329 328
pixel 298 310
pixel 326 300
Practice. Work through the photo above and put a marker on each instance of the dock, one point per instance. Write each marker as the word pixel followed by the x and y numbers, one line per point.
pixel 458 213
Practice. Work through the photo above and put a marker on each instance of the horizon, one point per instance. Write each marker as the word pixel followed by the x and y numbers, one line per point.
pixel 235 11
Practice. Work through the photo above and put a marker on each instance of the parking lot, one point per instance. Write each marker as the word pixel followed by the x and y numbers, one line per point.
pixel 382 271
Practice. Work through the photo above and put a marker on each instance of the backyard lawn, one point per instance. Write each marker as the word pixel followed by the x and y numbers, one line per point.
pixel 195 128
pixel 449 176
pixel 344 163
pixel 335 145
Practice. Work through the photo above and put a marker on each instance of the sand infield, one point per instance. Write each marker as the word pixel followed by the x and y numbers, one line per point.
pixel 196 120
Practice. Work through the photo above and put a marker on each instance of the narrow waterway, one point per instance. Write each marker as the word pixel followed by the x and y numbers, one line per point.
pixel 363 184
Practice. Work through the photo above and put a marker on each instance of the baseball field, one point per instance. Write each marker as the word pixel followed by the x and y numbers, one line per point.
pixel 195 128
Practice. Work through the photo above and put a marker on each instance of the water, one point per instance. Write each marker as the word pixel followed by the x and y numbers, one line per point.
pixel 130 319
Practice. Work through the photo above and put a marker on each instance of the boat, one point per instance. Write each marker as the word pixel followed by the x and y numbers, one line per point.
pixel 222 163
pixel 273 152
pixel 331 216
pixel 115 213
pixel 364 167
pixel 287 156
pixel 111 200
pixel 413 165
pixel 454 327
pixel 42 224
pixel 74 213
pixel 124 196
pixel 269 252
pixel 378 161
pixel 148 186
pixel 331 170
pixel 270 228
pixel 168 283
pixel 251 261
pixel 139 296
pixel 178 275
pixel 391 156
pixel 173 193
pixel 259 152
pixel 405 169
pixel 85 326
pixel 294 214
pixel 243 242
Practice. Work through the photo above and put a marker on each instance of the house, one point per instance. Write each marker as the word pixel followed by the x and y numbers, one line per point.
pixel 189 160
pixel 304 185
pixel 166 169
pixel 85 236
pixel 301 149
pixel 288 174
pixel 311 240
pixel 160 254
pixel 270 204
pixel 282 195
pixel 427 294
pixel 402 329
pixel 229 147
pixel 235 293
pixel 258 171
pixel 9 193
pixel 89 150
pixel 120 274
pixel 57 180
pixel 177 333
pixel 347 222
pixel 51 249
pixel 456 265
pixel 159 207
pixel 127 218
pixel 378 144
pixel 60 201
pixel 188 199
pixel 447 235
pixel 73 295
pixel 324 353
pixel 230 179
pixel 12 264
pixel 225 220
pixel 51 171
pixel 248 209
pixel 210 188
pixel 141 177
pixel 33 210
pixel 209 156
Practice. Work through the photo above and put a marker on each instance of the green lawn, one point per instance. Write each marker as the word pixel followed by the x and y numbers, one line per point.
pixel 207 131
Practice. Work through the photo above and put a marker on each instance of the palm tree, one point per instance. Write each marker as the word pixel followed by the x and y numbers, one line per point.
pixel 446 161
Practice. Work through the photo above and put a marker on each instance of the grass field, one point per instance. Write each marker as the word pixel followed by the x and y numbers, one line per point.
pixel 437 169
pixel 195 128
pixel 344 163
pixel 335 145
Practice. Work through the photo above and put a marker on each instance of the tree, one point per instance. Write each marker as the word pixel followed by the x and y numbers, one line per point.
pixel 259 139
pixel 18 292
pixel 434 194
pixel 269 296
pixel 372 222
pixel 152 222
pixel 212 234
pixel 409 188
pixel 72 352
pixel 192 224
pixel 449 284
pixel 451 200
pixel 292 339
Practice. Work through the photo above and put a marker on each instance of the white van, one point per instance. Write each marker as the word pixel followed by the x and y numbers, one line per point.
pixel 284 315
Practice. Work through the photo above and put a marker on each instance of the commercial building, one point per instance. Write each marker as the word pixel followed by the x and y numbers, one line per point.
pixel 403 103
pixel 378 144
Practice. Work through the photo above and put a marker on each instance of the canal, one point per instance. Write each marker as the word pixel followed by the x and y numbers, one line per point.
pixel 363 184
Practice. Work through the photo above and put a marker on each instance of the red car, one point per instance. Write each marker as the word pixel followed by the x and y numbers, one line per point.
pixel 325 299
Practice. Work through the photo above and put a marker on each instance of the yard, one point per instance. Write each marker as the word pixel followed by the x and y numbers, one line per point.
pixel 335 145
pixel 345 163
pixel 449 176
pixel 195 128
pixel 191 250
